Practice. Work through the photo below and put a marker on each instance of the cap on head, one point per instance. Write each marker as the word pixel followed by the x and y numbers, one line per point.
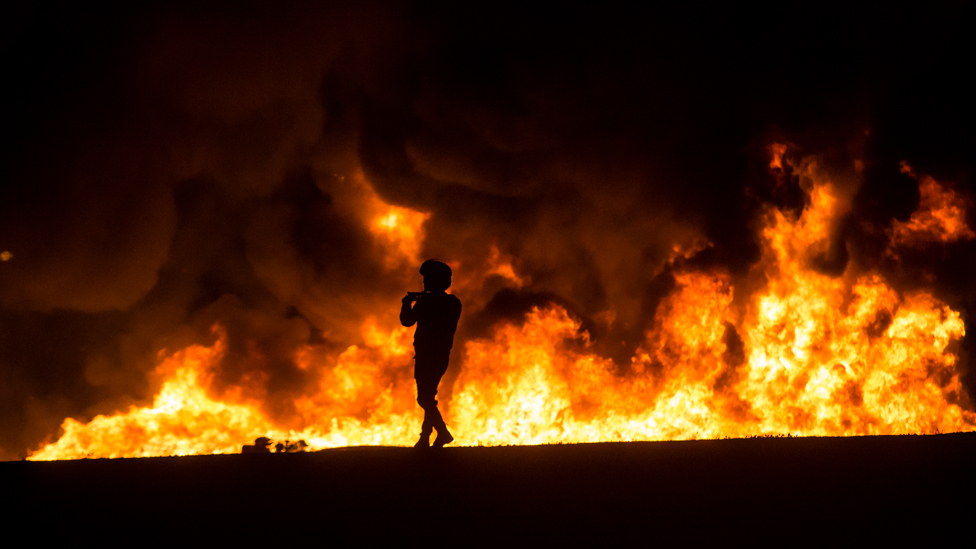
pixel 437 274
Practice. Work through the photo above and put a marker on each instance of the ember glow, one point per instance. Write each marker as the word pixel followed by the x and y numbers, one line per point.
pixel 806 354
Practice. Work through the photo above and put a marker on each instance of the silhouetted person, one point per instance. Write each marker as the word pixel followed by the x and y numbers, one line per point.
pixel 436 315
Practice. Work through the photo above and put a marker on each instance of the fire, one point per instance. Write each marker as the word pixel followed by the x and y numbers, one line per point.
pixel 367 398
pixel 777 150
pixel 941 216
pixel 501 265
pixel 526 387
pixel 364 399
pixel 398 230
pixel 845 355
pixel 807 354
pixel 182 420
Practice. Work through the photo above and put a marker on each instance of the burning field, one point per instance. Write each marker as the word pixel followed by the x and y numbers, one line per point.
pixel 660 229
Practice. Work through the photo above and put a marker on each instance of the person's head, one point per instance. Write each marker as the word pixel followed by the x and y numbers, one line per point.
pixel 437 275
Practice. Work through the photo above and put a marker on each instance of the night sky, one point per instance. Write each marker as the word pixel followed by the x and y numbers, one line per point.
pixel 170 166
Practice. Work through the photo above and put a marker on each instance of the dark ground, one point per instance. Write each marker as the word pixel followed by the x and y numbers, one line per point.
pixel 783 491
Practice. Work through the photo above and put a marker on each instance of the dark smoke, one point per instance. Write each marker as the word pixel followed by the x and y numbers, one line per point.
pixel 171 167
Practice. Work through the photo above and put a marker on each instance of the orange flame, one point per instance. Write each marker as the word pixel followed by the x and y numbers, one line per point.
pixel 809 354
pixel 183 420
pixel 501 265
pixel 398 230
pixel 777 150
pixel 941 216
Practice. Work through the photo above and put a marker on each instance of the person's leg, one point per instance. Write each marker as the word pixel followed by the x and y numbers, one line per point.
pixel 426 391
pixel 443 435
pixel 437 421
pixel 428 373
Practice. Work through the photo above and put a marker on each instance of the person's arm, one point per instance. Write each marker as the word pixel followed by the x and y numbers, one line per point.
pixel 407 315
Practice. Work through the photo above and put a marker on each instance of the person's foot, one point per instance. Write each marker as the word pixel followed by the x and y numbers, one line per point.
pixel 443 437
pixel 424 441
